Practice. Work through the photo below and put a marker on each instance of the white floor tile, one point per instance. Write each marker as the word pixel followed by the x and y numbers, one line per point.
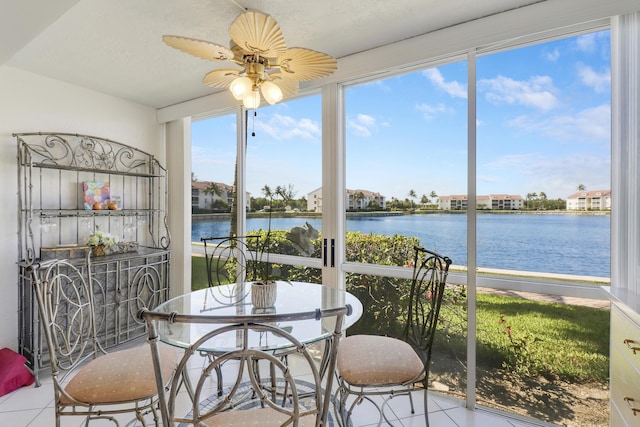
pixel 30 397
pixel 436 419
pixel 463 417
pixel 19 418
pixel 46 418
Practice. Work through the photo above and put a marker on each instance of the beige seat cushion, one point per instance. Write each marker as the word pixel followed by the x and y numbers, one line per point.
pixel 259 417
pixel 365 360
pixel 121 376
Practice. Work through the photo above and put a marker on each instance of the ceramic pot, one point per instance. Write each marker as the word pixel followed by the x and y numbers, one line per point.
pixel 263 295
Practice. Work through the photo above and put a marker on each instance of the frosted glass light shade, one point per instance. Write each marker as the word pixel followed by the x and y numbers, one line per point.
pixel 271 92
pixel 241 87
pixel 252 100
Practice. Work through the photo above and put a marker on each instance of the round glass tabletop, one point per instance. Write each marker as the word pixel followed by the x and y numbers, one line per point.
pixel 235 300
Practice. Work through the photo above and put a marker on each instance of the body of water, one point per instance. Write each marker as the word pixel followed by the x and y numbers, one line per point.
pixel 552 243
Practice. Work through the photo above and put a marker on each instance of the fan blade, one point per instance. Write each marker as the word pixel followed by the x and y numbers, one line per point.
pixel 289 87
pixel 306 64
pixel 221 78
pixel 258 33
pixel 199 48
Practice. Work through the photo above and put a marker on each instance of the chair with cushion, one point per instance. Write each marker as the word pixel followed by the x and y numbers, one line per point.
pixel 371 365
pixel 247 400
pixel 87 381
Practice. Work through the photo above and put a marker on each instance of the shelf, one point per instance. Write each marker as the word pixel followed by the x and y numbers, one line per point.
pixel 64 213
pixel 92 170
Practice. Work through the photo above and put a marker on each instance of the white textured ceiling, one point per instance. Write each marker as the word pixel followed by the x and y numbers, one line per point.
pixel 115 46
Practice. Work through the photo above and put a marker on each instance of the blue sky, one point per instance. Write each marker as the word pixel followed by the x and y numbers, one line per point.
pixel 543 124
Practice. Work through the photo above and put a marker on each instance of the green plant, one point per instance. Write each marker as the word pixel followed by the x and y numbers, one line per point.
pixel 101 238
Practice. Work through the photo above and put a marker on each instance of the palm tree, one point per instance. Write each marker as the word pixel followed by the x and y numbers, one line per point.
pixel 412 195
pixel 529 196
pixel 543 199
pixel 285 193
pixel 266 190
pixel 424 200
pixel 394 202
pixel 213 188
pixel 581 187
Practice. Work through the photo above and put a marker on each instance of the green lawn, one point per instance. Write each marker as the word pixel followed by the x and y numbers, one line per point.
pixel 198 273
pixel 541 338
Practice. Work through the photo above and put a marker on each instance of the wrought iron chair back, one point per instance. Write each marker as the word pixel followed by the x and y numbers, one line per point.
pixel 87 380
pixel 231 259
pixel 247 399
pixel 430 272
pixel 65 306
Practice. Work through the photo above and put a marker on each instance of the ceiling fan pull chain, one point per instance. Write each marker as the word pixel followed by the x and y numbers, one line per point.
pixel 253 123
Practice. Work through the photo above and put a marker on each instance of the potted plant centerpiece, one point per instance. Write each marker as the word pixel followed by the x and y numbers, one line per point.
pixel 264 291
pixel 101 241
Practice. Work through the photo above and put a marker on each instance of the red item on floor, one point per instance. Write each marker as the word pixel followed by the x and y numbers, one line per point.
pixel 13 373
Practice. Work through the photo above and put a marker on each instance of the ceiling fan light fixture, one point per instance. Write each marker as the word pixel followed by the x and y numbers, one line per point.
pixel 271 92
pixel 258 48
pixel 252 100
pixel 241 87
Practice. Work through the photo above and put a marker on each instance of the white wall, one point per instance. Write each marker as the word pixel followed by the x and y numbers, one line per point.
pixel 30 103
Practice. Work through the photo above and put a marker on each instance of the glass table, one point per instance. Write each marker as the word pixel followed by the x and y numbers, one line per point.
pixel 235 300
pixel 297 311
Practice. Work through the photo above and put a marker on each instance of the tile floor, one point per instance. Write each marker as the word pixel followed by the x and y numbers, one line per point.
pixel 32 406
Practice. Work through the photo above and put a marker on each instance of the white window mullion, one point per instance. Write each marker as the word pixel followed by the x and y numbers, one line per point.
pixel 625 136
pixel 471 230
pixel 333 186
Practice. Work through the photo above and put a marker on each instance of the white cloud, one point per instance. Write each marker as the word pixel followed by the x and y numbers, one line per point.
pixel 430 111
pixel 537 92
pixel 509 161
pixel 281 127
pixel 552 56
pixel 487 179
pixel 587 43
pixel 453 88
pixel 362 125
pixel 600 82
pixel 589 125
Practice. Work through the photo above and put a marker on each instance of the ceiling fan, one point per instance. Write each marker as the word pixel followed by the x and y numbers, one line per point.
pixel 267 66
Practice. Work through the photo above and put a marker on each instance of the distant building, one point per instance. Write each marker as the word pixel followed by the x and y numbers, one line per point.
pixel 452 202
pixel 364 199
pixel 589 200
pixel 354 200
pixel 491 201
pixel 314 200
pixel 202 200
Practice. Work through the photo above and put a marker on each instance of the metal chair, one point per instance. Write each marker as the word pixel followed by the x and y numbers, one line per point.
pixel 86 380
pixel 231 259
pixel 247 400
pixel 371 365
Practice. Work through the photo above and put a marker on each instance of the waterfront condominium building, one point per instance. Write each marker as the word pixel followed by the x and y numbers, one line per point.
pixel 589 200
pixel 354 200
pixel 491 201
